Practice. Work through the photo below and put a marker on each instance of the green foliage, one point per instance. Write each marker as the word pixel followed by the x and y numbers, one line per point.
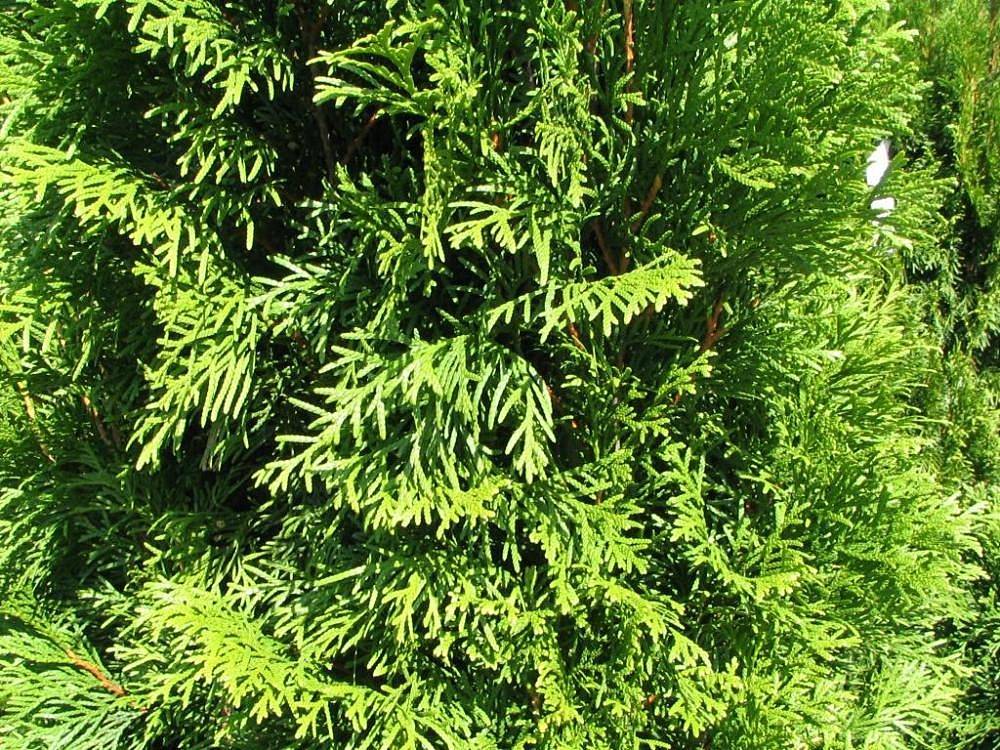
pixel 959 132
pixel 459 374
pixel 959 54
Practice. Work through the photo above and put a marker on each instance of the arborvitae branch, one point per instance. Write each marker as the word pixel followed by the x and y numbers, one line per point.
pixel 95 671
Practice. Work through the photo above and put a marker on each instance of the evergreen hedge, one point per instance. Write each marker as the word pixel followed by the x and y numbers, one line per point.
pixel 467 374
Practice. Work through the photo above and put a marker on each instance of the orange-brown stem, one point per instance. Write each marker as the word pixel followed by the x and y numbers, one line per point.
pixel 602 243
pixel 591 44
pixel 713 332
pixel 94 671
pixel 95 417
pixel 647 203
pixel 575 335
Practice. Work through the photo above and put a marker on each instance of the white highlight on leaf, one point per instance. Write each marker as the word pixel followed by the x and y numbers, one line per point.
pixel 878 164
pixel 884 206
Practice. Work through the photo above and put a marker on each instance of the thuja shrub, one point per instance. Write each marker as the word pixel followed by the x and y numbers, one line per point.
pixel 468 375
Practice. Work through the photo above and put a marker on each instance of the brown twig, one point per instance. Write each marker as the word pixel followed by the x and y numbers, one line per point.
pixel 95 417
pixel 575 335
pixel 624 260
pixel 647 203
pixel 360 137
pixel 713 332
pixel 591 45
pixel 94 671
pixel 602 243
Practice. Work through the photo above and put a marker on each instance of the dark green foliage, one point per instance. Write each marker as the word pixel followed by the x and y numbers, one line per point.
pixel 480 375
pixel 960 132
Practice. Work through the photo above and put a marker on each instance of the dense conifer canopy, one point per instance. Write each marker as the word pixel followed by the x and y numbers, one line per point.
pixel 469 374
